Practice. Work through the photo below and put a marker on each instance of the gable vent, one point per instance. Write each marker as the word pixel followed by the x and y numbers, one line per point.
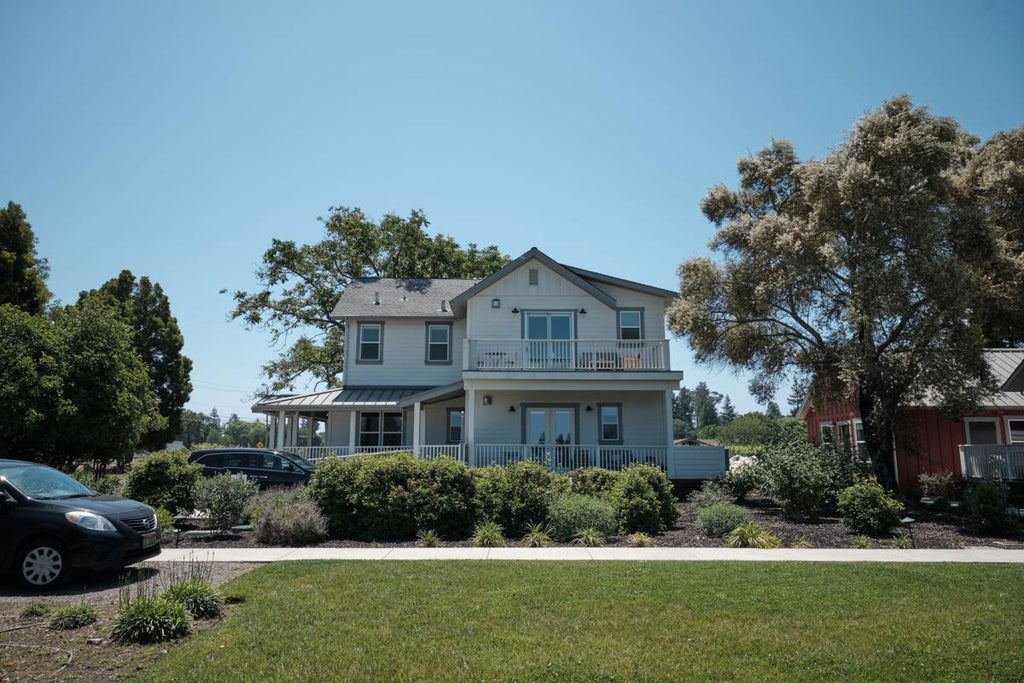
pixel 534 276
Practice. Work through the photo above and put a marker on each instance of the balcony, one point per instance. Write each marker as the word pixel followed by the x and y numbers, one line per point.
pixel 993 462
pixel 570 355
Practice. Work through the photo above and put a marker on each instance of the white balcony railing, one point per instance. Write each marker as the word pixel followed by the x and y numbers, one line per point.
pixel 993 462
pixel 572 355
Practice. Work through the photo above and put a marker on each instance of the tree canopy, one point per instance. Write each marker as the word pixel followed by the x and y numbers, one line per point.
pixel 22 274
pixel 158 342
pixel 874 270
pixel 300 284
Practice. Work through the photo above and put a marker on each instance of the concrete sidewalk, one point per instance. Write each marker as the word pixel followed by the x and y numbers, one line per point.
pixel 573 554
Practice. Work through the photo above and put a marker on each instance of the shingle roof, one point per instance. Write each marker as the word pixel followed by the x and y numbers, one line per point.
pixel 399 298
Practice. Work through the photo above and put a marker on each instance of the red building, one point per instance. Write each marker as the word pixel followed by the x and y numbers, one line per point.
pixel 990 440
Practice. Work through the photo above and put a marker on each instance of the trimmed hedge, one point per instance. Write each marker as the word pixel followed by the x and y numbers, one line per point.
pixel 643 500
pixel 517 495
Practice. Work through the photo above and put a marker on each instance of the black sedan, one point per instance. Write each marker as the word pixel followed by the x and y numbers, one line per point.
pixel 267 467
pixel 50 522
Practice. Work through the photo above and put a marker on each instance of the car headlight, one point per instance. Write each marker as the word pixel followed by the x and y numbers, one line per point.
pixel 90 521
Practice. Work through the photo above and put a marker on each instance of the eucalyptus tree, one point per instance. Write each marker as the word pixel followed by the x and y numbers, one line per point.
pixel 300 284
pixel 866 270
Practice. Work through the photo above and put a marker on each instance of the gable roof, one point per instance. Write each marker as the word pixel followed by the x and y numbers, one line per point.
pixel 625 284
pixel 400 298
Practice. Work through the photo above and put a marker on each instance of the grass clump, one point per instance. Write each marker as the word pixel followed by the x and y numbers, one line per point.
pixel 641 540
pixel 752 535
pixel 589 538
pixel 488 535
pixel 146 617
pixel 189 586
pixel 36 608
pixel 73 616
pixel 427 538
pixel 719 519
pixel 537 536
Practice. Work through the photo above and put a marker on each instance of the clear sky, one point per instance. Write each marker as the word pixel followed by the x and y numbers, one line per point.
pixel 176 139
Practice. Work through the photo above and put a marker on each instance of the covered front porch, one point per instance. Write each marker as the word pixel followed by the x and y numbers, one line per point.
pixel 1002 461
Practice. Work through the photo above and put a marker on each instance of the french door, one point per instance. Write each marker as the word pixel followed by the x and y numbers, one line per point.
pixel 551 431
pixel 550 335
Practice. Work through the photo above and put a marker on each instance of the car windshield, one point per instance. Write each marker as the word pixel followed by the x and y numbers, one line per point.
pixel 39 481
pixel 301 461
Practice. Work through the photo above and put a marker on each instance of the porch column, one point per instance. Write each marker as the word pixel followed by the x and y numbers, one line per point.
pixel 470 427
pixel 293 437
pixel 416 428
pixel 670 435
pixel 279 435
pixel 354 416
pixel 310 429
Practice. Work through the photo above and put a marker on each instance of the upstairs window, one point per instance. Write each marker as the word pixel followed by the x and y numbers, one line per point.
pixel 630 325
pixel 439 343
pixel 370 337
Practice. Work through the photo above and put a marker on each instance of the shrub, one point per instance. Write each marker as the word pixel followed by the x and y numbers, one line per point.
pixel 902 541
pixel 147 618
pixel 592 481
pixel 488 535
pixel 100 483
pixel 711 491
pixel 589 538
pixel 224 498
pixel 537 537
pixel 803 478
pixel 720 518
pixel 289 518
pixel 642 496
pixel 861 542
pixel 742 475
pixel 936 485
pixel 866 508
pixel 164 517
pixel 515 496
pixel 164 479
pixel 986 506
pixel 367 496
pixel 752 535
pixel 442 497
pixel 73 616
pixel 572 513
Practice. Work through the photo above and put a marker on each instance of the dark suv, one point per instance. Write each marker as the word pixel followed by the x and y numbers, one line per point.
pixel 50 522
pixel 267 467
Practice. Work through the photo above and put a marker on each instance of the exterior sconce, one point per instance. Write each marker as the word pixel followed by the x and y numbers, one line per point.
pixel 589 408
pixel 495 303
pixel 511 409
pixel 487 399
pixel 583 311
pixel 515 311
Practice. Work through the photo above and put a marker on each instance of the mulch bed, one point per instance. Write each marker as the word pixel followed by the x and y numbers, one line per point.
pixel 931 529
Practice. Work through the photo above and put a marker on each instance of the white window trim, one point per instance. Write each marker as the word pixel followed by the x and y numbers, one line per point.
pixel 821 431
pixel 967 428
pixel 1006 425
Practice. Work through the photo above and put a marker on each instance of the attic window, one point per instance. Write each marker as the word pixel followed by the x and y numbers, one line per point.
pixel 534 276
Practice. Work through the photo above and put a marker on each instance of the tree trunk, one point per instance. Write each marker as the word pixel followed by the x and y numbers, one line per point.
pixel 878 419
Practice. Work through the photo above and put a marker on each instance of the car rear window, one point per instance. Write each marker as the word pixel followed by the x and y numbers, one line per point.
pixel 212 460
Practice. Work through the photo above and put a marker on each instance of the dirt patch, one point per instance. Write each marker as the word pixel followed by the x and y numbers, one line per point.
pixel 30 650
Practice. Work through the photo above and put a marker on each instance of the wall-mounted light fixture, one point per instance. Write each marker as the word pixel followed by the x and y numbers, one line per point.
pixel 583 311
pixel 511 409
pixel 589 408
pixel 487 399
pixel 515 311
pixel 495 303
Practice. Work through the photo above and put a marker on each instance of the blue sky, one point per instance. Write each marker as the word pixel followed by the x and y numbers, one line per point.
pixel 177 139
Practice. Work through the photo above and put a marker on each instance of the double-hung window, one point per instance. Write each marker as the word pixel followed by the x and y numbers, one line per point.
pixel 380 429
pixel 371 338
pixel 1015 430
pixel 610 415
pixel 630 324
pixel 439 343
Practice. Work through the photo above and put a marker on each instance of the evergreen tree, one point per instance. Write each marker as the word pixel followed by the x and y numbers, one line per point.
pixel 705 406
pixel 728 412
pixel 772 412
pixel 22 274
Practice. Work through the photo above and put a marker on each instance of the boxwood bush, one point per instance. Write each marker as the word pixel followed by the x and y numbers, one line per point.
pixel 642 496
pixel 573 512
pixel 164 480
pixel 866 508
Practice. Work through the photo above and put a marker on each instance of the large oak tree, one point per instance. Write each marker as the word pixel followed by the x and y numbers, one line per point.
pixel 875 270
pixel 300 284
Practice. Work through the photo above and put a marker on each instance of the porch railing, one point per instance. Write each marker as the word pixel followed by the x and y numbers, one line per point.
pixel 571 355
pixel 993 462
pixel 570 457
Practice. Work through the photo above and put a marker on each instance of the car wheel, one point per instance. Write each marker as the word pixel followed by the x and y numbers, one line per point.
pixel 42 564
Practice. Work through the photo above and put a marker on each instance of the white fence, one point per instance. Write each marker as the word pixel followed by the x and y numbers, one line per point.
pixel 679 462
pixel 993 462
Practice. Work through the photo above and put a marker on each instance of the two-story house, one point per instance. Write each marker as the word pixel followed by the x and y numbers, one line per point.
pixel 540 361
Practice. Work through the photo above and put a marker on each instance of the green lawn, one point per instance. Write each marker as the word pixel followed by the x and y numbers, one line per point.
pixel 612 621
